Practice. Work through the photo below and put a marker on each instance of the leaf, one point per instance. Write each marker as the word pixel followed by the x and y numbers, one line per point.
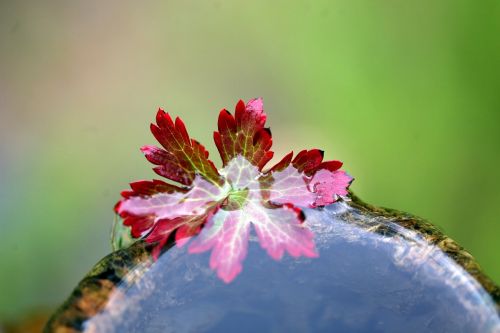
pixel 288 186
pixel 308 161
pixel 161 208
pixel 329 186
pixel 279 228
pixel 226 235
pixel 184 226
pixel 141 224
pixel 182 157
pixel 241 174
pixel 219 210
pixel 306 180
pixel 244 134
pixel 282 230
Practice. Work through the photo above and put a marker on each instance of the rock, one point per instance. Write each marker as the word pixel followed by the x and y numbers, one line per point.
pixel 379 270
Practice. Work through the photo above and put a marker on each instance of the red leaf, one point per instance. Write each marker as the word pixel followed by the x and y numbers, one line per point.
pixel 222 209
pixel 185 227
pixel 182 157
pixel 244 134
pixel 308 160
pixel 281 165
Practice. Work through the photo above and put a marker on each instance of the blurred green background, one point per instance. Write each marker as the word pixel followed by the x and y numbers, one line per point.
pixel 406 93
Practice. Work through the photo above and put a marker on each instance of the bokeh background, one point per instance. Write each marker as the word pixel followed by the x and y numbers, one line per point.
pixel 406 93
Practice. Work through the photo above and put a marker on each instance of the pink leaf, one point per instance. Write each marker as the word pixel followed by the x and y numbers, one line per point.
pixel 163 212
pixel 324 182
pixel 329 185
pixel 281 230
pixel 289 187
pixel 227 236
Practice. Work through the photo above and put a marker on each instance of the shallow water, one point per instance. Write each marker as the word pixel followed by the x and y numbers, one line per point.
pixel 364 281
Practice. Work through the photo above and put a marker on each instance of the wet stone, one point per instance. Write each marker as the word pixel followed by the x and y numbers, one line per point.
pixel 378 271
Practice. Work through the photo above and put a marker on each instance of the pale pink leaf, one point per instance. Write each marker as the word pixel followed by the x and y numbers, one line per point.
pixel 329 185
pixel 289 186
pixel 241 174
pixel 173 205
pixel 226 234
